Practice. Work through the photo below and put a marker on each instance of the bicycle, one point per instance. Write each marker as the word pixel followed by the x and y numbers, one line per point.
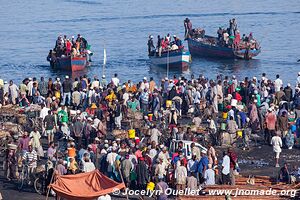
pixel 39 183
pixel 23 177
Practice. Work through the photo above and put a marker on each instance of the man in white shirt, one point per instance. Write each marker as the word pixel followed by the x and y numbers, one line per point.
pixel 29 87
pixel 160 169
pixel 88 166
pixel 153 151
pixel 209 176
pixel 298 79
pixel 111 158
pixel 115 80
pixel 5 87
pixel 44 111
pixel 125 96
pixel 278 83
pixel 95 83
pixel 277 144
pixel 154 134
pixel 264 79
pixel 13 91
pixel 144 84
pixel 226 169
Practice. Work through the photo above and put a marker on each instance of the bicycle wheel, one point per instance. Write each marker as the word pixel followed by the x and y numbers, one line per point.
pixel 38 186
pixel 21 180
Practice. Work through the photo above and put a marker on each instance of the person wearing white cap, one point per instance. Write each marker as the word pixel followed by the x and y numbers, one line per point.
pixel 111 158
pixel 144 84
pixel 150 44
pixel 57 88
pixel 5 88
pixel 288 91
pixel 203 165
pixel 67 87
pixel 103 82
pixel 298 79
pixel 234 82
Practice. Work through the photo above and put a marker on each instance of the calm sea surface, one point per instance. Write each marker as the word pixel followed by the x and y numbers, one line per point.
pixel 28 29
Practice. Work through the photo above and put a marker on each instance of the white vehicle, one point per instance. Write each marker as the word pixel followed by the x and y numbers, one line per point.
pixel 186 147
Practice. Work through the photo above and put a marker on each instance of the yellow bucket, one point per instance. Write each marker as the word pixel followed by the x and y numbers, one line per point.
pixel 131 133
pixel 224 115
pixel 168 103
pixel 240 133
pixel 150 186
pixel 57 94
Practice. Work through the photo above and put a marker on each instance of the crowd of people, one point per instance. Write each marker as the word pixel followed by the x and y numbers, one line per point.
pixel 82 114
pixel 164 44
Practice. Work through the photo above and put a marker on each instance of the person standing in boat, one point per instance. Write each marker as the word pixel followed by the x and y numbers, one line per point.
pixel 150 44
pixel 237 39
pixel 68 47
pixel 73 41
pixel 234 26
pixel 159 47
pixel 187 27
pixel 186 31
pixel 168 38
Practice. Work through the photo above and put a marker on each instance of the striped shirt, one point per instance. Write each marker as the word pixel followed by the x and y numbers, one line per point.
pixel 31 158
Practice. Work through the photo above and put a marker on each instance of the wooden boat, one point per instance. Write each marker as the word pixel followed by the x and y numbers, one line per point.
pixel 176 59
pixel 69 63
pixel 208 47
pixel 244 190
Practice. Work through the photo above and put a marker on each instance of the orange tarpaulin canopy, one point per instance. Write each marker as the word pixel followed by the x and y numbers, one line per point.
pixel 84 186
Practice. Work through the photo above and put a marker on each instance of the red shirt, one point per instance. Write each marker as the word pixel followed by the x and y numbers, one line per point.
pixel 68 46
pixel 233 159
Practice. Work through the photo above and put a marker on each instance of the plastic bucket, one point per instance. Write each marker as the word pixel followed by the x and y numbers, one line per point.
pixel 150 186
pixel 240 133
pixel 150 116
pixel 137 140
pixel 223 126
pixel 224 115
pixel 131 133
pixel 57 94
pixel 168 103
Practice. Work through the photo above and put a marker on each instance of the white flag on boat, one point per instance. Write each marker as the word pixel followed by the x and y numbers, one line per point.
pixel 104 57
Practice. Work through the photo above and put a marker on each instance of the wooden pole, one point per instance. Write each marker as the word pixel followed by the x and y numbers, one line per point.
pixel 168 61
pixel 54 167
pixel 123 181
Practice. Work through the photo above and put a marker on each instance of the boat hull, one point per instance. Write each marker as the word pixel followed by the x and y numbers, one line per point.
pixel 176 60
pixel 198 48
pixel 71 64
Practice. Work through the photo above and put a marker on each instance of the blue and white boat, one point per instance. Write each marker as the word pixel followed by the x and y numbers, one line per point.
pixel 177 59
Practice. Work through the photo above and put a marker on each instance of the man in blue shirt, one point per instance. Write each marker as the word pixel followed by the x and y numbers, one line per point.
pixel 203 165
